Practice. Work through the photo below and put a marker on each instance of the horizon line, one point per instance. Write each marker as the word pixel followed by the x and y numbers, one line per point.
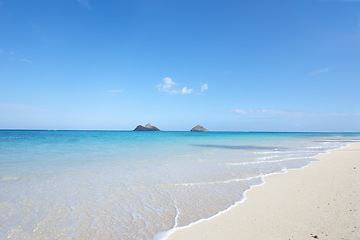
pixel 123 130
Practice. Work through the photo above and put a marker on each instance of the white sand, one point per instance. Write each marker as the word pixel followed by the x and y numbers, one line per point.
pixel 321 201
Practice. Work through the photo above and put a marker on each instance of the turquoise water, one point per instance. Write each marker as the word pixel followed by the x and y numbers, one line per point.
pixel 133 185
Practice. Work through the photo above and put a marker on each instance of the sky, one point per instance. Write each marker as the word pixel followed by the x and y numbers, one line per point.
pixel 251 65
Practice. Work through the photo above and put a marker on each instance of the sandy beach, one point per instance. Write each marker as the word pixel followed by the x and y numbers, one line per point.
pixel 321 201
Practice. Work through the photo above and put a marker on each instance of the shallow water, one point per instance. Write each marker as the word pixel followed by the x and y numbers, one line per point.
pixel 133 185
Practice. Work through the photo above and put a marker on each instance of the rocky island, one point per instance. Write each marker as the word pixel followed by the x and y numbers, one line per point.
pixel 148 127
pixel 199 128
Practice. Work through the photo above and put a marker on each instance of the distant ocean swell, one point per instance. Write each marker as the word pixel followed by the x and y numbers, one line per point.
pixel 121 185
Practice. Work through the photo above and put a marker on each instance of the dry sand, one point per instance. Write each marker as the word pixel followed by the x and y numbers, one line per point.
pixel 321 201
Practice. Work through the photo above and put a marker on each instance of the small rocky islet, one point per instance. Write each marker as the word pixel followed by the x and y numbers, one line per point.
pixel 149 127
pixel 199 128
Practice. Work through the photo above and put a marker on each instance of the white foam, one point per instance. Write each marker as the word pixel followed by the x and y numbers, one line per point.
pixel 218 182
pixel 272 161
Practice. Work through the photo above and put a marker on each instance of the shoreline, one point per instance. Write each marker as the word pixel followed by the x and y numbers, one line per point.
pixel 258 219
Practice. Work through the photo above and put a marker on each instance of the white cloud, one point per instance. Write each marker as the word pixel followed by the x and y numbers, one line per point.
pixel 167 85
pixel 204 87
pixel 185 90
pixel 25 60
pixel 84 3
pixel 318 71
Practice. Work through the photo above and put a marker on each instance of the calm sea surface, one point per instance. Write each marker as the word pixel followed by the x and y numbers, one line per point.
pixel 134 185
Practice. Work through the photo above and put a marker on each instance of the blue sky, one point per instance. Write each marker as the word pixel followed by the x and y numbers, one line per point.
pixel 228 65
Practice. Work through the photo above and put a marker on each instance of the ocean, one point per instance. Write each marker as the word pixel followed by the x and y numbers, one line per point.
pixel 137 185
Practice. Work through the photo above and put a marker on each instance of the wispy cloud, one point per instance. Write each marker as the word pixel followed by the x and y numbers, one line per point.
pixel 227 72
pixel 184 90
pixel 204 87
pixel 84 3
pixel 318 71
pixel 6 52
pixel 18 108
pixel 14 56
pixel 25 60
pixel 344 114
pixel 115 92
pixel 281 112
pixel 263 111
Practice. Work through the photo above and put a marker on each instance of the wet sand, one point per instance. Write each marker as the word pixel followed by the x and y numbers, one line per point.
pixel 321 201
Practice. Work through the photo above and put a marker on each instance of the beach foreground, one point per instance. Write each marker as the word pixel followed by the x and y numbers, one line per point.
pixel 321 201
